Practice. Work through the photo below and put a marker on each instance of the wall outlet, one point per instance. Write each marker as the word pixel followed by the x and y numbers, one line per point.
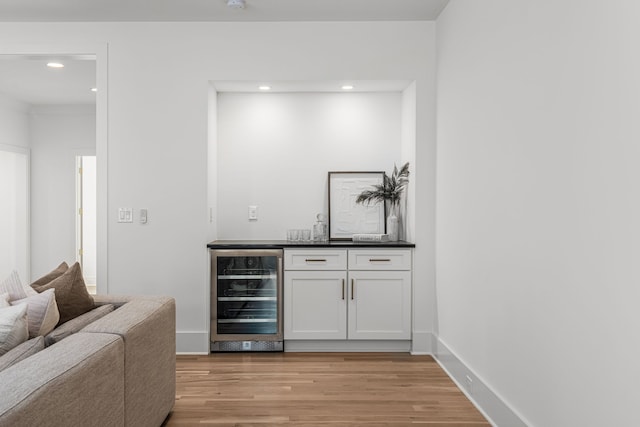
pixel 469 383
pixel 253 213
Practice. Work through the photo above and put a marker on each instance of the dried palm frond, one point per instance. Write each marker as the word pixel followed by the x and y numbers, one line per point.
pixel 391 188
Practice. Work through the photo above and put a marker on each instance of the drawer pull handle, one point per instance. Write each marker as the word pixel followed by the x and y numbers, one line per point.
pixel 352 288
pixel 343 289
pixel 315 260
pixel 379 260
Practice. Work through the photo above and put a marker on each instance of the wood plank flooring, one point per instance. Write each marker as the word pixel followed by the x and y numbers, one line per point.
pixel 318 389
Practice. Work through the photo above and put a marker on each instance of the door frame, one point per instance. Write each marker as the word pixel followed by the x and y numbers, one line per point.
pixel 100 51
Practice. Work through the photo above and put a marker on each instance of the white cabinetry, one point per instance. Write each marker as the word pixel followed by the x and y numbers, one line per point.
pixel 347 294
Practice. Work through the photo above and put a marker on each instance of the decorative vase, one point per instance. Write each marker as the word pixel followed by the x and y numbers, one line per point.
pixel 392 223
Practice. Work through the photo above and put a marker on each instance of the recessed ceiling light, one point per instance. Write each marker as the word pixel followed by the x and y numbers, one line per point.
pixel 347 87
pixel 236 4
pixel 94 89
pixel 264 87
pixel 55 65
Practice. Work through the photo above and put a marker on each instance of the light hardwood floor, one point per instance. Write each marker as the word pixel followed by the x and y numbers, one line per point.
pixel 318 389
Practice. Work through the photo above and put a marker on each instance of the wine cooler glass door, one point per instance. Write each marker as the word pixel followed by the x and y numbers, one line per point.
pixel 247 288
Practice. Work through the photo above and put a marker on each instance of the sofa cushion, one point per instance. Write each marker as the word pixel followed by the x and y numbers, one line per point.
pixel 14 329
pixel 79 382
pixel 14 288
pixel 53 274
pixel 74 325
pixel 42 312
pixel 21 352
pixel 71 294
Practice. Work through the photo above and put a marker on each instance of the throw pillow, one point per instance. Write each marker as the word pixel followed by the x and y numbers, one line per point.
pixel 4 300
pixel 13 286
pixel 75 325
pixel 53 274
pixel 13 327
pixel 21 352
pixel 71 294
pixel 42 312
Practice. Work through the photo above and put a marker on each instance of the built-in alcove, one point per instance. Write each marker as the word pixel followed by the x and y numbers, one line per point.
pixel 273 149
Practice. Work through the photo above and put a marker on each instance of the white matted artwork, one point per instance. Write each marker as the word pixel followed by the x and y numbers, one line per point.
pixel 346 217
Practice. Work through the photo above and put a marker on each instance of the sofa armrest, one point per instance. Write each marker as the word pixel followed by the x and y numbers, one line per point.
pixel 148 327
pixel 77 382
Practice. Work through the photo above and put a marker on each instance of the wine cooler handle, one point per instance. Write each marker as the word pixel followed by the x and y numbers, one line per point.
pixel 343 289
pixel 352 288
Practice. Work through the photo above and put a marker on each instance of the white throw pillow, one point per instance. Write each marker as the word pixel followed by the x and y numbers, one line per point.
pixel 14 329
pixel 4 300
pixel 42 312
pixel 14 288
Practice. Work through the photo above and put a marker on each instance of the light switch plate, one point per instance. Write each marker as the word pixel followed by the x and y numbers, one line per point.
pixel 125 215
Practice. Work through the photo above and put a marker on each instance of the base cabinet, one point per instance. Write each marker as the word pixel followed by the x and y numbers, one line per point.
pixel 368 298
pixel 315 305
pixel 379 305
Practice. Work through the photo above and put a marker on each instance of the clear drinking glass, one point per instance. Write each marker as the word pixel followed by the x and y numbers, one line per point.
pixel 305 235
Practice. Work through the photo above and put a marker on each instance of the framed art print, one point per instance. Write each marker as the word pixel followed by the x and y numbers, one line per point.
pixel 346 217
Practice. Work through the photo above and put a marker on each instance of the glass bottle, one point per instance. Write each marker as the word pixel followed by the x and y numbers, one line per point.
pixel 320 229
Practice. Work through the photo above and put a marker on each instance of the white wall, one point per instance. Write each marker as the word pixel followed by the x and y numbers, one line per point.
pixel 58 134
pixel 14 122
pixel 538 204
pixel 14 181
pixel 158 95
pixel 275 149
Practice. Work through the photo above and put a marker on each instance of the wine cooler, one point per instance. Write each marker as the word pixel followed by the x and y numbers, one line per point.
pixel 246 300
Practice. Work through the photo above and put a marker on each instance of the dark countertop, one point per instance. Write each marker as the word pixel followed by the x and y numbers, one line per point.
pixel 283 244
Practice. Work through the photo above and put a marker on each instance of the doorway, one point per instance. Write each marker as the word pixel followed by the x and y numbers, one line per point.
pixel 44 222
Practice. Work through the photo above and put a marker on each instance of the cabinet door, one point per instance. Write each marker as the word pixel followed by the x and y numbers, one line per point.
pixel 379 305
pixel 315 305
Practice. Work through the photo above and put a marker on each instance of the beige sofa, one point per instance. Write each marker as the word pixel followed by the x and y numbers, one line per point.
pixel 118 370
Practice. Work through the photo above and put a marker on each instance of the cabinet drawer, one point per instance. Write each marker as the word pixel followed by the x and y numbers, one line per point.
pixel 316 259
pixel 384 259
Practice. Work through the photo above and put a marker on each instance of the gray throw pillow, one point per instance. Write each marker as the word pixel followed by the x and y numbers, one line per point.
pixel 71 294
pixel 53 274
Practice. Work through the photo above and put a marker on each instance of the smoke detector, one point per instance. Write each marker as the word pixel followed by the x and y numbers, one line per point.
pixel 236 4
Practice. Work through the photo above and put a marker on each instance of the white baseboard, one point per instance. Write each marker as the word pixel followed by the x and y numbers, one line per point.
pixel 492 406
pixel 192 342
pixel 346 346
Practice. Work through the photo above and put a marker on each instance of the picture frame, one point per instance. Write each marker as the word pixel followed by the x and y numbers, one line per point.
pixel 346 217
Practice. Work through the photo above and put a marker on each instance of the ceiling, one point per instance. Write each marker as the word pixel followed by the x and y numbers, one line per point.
pixel 27 78
pixel 217 10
